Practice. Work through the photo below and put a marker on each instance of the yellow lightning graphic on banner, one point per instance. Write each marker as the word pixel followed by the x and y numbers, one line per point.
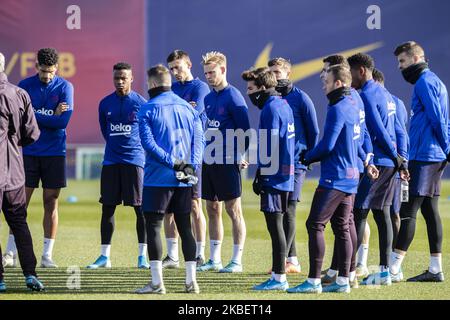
pixel 308 68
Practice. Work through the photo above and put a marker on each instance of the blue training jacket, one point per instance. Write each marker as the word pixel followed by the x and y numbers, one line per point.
pixel 306 126
pixel 428 129
pixel 338 149
pixel 120 129
pixel 226 110
pixel 388 136
pixel 170 130
pixel 45 98
pixel 193 91
pixel 277 121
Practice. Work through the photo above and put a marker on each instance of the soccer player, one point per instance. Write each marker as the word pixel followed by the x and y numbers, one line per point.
pixel 193 91
pixel 45 160
pixel 123 163
pixel 365 153
pixel 402 115
pixel 172 136
pixel 18 128
pixel 277 136
pixel 339 175
pixel 221 177
pixel 429 150
pixel 306 137
pixel 390 147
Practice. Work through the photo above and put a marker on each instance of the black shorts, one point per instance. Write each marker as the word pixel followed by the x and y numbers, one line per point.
pixel 274 201
pixel 121 183
pixel 177 200
pixel 299 180
pixel 221 182
pixel 425 178
pixel 50 170
pixel 376 194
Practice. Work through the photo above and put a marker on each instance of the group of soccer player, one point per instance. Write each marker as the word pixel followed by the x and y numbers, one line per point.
pixel 156 161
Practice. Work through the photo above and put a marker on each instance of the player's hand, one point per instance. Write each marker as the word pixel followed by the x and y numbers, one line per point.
pixel 372 172
pixel 243 164
pixel 401 162
pixel 62 107
pixel 368 158
pixel 404 175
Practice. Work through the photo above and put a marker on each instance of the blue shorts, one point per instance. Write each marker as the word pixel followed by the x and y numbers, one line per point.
pixel 50 170
pixel 221 182
pixel 299 179
pixel 274 201
pixel 177 200
pixel 396 199
pixel 376 194
pixel 425 178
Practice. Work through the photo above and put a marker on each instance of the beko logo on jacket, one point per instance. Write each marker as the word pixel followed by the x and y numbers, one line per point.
pixel 45 112
pixel 213 123
pixel 120 129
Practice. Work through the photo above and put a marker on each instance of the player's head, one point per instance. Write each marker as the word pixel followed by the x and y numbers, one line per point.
pixel 361 67
pixel 158 76
pixel 378 76
pixel 180 65
pixel 2 62
pixel 123 77
pixel 281 67
pixel 259 83
pixel 215 68
pixel 409 53
pixel 332 61
pixel 47 64
pixel 337 76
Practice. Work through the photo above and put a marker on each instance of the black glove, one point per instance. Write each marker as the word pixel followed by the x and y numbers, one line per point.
pixel 303 161
pixel 257 183
pixel 187 168
pixel 401 163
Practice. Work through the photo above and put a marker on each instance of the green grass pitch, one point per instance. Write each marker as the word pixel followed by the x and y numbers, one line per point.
pixel 79 239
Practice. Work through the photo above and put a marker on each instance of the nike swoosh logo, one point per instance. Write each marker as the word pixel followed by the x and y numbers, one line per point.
pixel 308 68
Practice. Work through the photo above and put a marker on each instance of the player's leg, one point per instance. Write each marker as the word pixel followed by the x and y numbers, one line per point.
pixel 214 212
pixel 234 210
pixel 53 176
pixel 340 222
pixel 215 225
pixel 171 261
pixel 14 208
pixel 430 212
pixel 198 219
pixel 384 225
pixel 110 197
pixel 181 206
pixel 324 204
pixel 50 223
pixel 141 232
pixel 274 206
pixel 32 177
pixel 199 228
pixel 289 223
pixel 395 211
pixel 155 202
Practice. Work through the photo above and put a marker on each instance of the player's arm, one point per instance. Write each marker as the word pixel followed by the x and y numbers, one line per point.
pixel 59 121
pixel 102 121
pixel 239 113
pixel 310 123
pixel 376 127
pixel 270 123
pixel 332 130
pixel 401 137
pixel 29 129
pixel 148 141
pixel 428 95
pixel 197 143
